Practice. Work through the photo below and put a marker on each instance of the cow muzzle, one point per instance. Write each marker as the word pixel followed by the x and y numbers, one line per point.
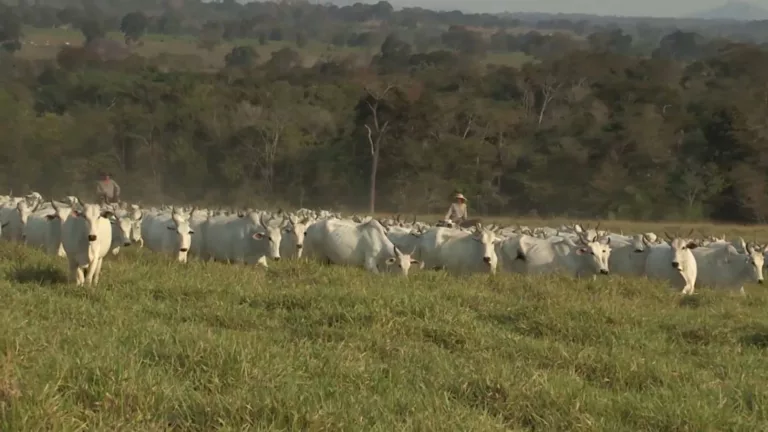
pixel 760 282
pixel 91 237
pixel 299 246
pixel 183 250
pixel 676 265
pixel 487 259
pixel 604 272
pixel 276 258
pixel 126 244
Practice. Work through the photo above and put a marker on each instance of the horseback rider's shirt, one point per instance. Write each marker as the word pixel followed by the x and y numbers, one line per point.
pixel 457 212
pixel 108 189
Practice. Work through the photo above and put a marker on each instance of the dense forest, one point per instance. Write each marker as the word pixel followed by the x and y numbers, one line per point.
pixel 299 104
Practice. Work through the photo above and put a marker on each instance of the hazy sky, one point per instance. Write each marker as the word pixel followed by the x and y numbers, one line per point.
pixel 660 8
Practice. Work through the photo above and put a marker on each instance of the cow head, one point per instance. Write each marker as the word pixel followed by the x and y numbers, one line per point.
pixel 24 211
pixel 297 230
pixel 597 252
pixel 59 214
pixel 272 234
pixel 401 262
pixel 641 243
pixel 755 260
pixel 91 213
pixel 486 239
pixel 183 233
pixel 681 252
pixel 418 231
pixel 135 234
pixel 121 230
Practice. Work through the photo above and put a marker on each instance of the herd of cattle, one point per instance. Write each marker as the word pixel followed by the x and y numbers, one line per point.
pixel 86 233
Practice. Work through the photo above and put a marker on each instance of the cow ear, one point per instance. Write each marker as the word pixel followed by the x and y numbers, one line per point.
pixel 581 251
pixel 390 261
pixel 258 236
pixel 170 228
pixel 107 214
pixel 692 245
pixel 76 213
pixel 50 217
pixel 416 262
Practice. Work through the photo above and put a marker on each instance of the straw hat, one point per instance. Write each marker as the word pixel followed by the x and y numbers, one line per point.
pixel 460 196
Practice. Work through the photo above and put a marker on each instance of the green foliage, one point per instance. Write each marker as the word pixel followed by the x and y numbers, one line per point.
pixel 210 36
pixel 92 29
pixel 133 25
pixel 242 56
pixel 222 102
pixel 10 29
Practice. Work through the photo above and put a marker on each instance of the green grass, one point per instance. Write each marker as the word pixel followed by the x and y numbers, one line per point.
pixel 161 346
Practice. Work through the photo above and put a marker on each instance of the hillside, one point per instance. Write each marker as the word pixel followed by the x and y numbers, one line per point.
pixel 735 10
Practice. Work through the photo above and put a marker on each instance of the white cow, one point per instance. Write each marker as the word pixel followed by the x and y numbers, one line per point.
pixel 86 237
pixel 248 239
pixel 14 219
pixel 628 258
pixel 361 245
pixel 429 242
pixel 407 239
pixel 168 233
pixel 43 229
pixel 198 224
pixel 292 244
pixel 468 252
pixel 588 257
pixel 725 267
pixel 674 262
pixel 126 231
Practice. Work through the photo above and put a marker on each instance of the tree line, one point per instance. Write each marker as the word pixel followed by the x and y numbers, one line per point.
pixel 595 127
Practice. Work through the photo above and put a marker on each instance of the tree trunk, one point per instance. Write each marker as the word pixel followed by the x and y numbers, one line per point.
pixel 374 170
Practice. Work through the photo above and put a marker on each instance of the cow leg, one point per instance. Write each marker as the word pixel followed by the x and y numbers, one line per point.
pixel 91 271
pixel 73 273
pixel 370 265
pixel 79 277
pixel 97 273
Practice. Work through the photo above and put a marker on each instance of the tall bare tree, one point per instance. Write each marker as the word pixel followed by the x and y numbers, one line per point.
pixel 376 135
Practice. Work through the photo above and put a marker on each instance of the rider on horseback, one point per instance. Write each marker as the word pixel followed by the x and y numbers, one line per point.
pixel 457 212
pixel 107 190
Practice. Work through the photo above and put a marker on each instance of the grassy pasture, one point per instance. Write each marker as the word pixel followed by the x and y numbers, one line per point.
pixel 160 346
pixel 46 43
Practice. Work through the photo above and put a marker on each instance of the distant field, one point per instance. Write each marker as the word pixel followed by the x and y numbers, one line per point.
pixel 161 346
pixel 46 43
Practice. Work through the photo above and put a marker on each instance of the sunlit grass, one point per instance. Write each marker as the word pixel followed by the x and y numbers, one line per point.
pixel 161 346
